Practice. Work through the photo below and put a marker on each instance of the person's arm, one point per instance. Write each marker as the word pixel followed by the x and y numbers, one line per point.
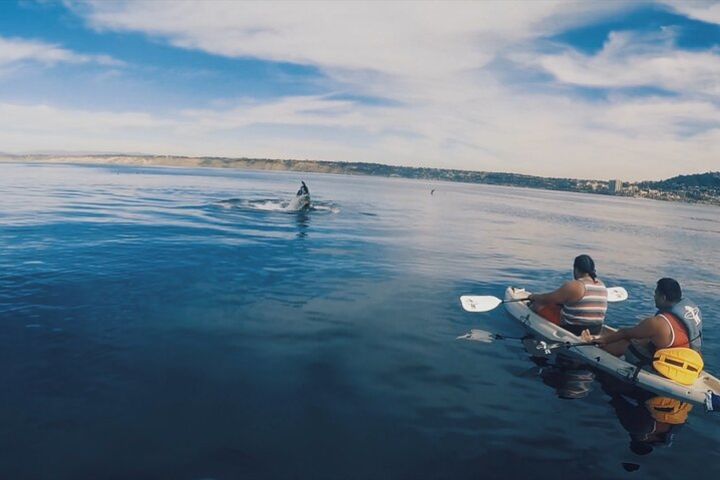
pixel 646 329
pixel 570 292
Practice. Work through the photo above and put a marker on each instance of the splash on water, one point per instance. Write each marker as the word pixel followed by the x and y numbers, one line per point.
pixel 281 206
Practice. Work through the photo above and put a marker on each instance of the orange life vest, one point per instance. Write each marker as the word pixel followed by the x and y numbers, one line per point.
pixel 679 332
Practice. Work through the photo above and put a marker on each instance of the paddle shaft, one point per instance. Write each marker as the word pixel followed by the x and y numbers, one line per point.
pixel 485 303
pixel 541 344
pixel 515 300
pixel 553 346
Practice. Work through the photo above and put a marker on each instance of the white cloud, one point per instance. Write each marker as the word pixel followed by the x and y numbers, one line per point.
pixel 523 133
pixel 660 118
pixel 410 38
pixel 433 61
pixel 704 10
pixel 44 117
pixel 631 60
pixel 18 50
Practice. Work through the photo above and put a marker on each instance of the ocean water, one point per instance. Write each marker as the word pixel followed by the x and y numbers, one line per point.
pixel 161 323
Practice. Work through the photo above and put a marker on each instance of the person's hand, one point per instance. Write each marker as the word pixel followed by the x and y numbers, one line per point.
pixel 585 336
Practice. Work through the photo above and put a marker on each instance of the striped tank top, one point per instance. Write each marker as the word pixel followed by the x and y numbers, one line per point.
pixel 590 309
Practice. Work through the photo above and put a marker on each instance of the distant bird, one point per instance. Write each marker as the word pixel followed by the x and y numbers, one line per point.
pixel 432 191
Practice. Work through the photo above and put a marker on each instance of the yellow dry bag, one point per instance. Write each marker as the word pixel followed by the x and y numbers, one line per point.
pixel 682 365
pixel 668 410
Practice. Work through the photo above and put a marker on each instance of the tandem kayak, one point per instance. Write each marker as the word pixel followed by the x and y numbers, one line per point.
pixel 617 367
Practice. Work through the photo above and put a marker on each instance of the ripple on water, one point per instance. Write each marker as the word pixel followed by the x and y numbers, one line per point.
pixel 141 309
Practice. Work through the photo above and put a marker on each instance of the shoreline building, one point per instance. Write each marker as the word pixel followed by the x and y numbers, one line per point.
pixel 615 186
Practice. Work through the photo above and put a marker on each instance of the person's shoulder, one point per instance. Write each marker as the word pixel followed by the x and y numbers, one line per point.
pixel 573 288
pixel 655 320
pixel 573 284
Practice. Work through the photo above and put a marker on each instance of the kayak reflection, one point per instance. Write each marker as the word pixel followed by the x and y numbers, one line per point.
pixel 571 381
pixel 651 421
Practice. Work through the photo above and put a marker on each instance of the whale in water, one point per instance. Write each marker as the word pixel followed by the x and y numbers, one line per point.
pixel 301 201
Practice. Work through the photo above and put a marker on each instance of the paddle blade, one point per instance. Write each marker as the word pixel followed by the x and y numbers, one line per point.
pixel 479 303
pixel 616 294
pixel 478 336
pixel 535 347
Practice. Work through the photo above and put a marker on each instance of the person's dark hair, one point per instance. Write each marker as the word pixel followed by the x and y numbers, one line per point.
pixel 584 264
pixel 670 289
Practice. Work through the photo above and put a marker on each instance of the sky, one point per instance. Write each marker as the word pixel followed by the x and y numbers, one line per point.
pixel 627 90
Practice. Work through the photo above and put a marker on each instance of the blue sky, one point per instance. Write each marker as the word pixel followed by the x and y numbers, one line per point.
pixel 599 90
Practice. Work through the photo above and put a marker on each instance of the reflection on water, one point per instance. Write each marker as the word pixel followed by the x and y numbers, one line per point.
pixel 651 421
pixel 303 223
pixel 571 380
pixel 151 328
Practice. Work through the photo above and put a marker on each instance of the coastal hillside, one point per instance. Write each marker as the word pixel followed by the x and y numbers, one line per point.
pixel 703 187
pixel 709 180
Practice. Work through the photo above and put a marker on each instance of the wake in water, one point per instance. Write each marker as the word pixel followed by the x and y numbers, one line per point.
pixel 275 205
pixel 300 203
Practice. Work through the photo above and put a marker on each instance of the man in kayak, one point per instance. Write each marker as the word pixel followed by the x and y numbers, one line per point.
pixel 577 305
pixel 677 323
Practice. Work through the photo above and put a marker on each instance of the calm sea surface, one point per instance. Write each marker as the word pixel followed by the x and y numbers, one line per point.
pixel 161 323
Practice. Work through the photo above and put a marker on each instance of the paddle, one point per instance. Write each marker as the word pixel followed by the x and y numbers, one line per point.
pixel 485 303
pixel 487 337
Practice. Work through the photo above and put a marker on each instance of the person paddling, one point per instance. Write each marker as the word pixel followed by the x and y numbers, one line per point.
pixel 677 323
pixel 577 305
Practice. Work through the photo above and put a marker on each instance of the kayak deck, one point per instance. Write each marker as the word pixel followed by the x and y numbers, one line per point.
pixel 600 359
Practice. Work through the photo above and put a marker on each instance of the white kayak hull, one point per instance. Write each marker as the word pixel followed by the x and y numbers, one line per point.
pixel 647 379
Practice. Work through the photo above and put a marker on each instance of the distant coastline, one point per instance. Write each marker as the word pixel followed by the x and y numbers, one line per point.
pixel 698 188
